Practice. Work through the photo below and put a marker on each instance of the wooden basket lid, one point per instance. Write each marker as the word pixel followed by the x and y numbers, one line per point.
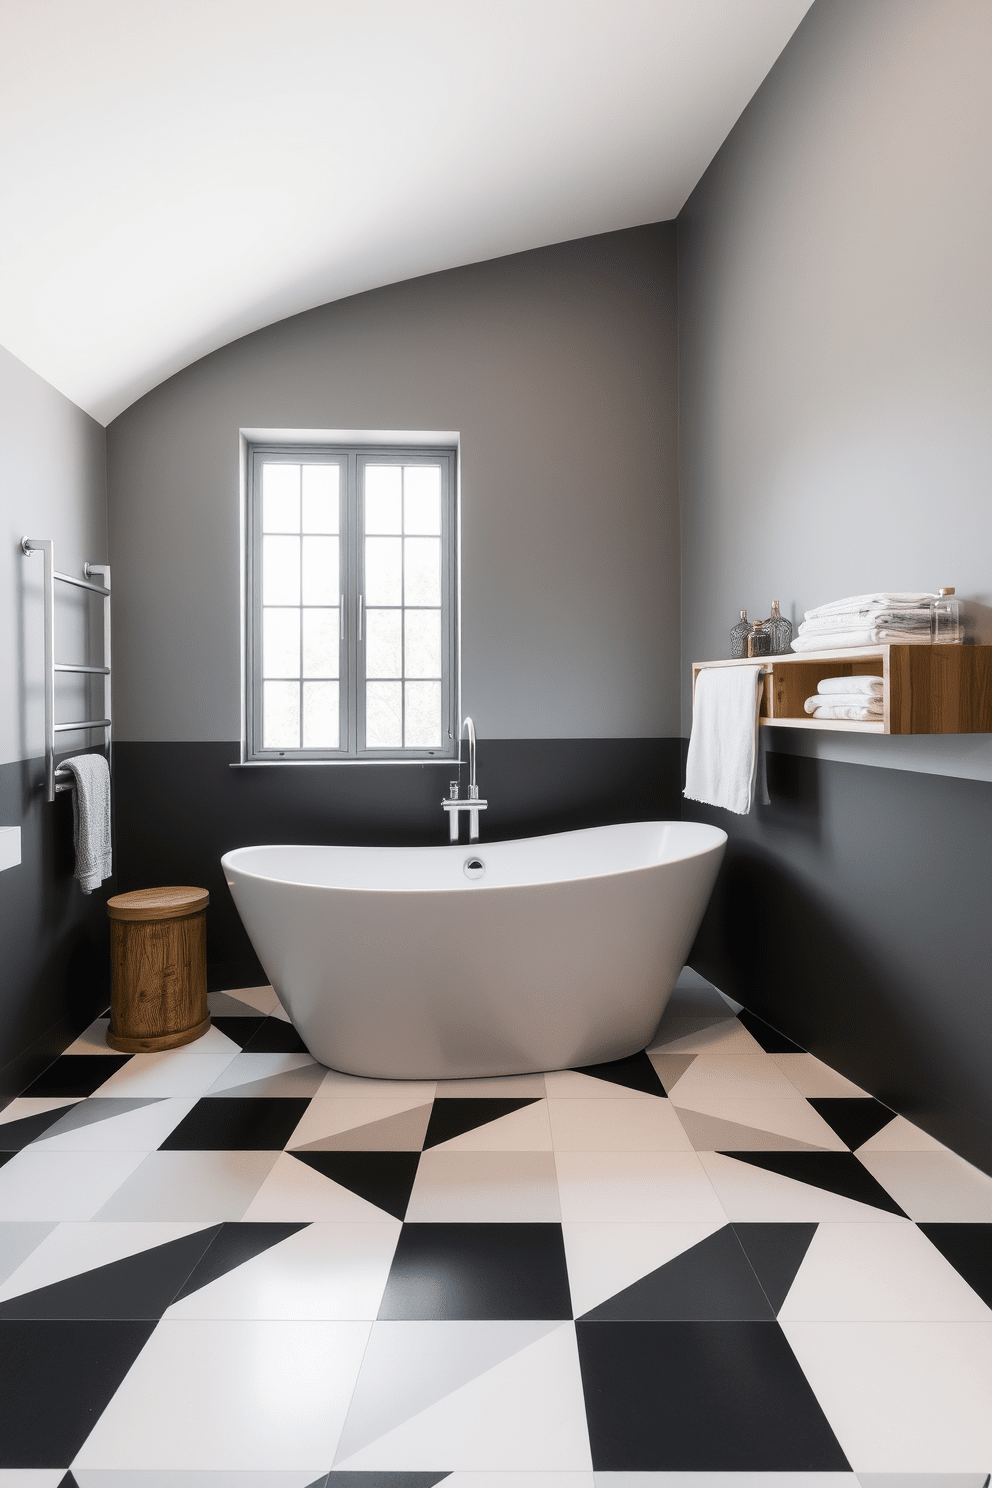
pixel 158 904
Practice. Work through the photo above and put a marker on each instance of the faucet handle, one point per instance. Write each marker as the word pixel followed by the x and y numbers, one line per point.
pixel 473 792
pixel 452 790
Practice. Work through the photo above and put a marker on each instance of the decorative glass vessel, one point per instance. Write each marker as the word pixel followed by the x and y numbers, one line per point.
pixel 946 623
pixel 738 637
pixel 779 631
pixel 759 642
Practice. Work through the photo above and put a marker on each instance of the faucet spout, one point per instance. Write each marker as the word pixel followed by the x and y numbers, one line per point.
pixel 469 727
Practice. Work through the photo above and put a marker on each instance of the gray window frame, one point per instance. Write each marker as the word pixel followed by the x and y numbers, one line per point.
pixel 352 459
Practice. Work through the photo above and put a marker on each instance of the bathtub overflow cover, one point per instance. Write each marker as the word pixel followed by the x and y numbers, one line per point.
pixel 474 867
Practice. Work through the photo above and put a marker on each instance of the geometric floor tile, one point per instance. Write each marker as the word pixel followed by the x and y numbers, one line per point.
pixel 203 1186
pixel 924 1480
pixel 936 1186
pixel 776 1252
pixel 968 1247
pixel 636 1072
pixel 140 1286
pixel 452 1118
pixel 712 1036
pixel 137 1124
pixel 232 1245
pixel 879 1273
pixel 295 1189
pixel 768 1037
pixel 71 1250
pixel 14 1135
pixel 62 1185
pixel 319 1271
pixel 246 1395
pixel 360 1126
pixel 183 1071
pixel 477 1272
pixel 710 1133
pixel 275 1036
pixel 527 1129
pixel 523 1416
pixel 902 1136
pixel 744 1076
pixel 903 1397
pixel 574 1085
pixel 56 1377
pixel 811 1077
pixel 751 1195
pixel 238 1027
pixel 18 1239
pixel 410 1366
pixel 76 1074
pixel 659 1187
pixel 484 1187
pixel 499 1085
pixel 92 1040
pixel 616 1126
pixel 245 1124
pixel 836 1172
pixel 380 1178
pixel 701 1396
pixel 605 1258
pixel 854 1120
pixel 97 1477
pixel 259 1000
pixel 670 1066
pixel 225 1005
pixel 270 1075
pixel 711 1280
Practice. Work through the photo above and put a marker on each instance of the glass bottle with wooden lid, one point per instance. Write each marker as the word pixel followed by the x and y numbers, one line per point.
pixel 738 637
pixel 946 623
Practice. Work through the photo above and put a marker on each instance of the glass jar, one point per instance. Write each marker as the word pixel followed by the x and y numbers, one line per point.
pixel 738 637
pixel 779 630
pixel 946 622
pixel 759 642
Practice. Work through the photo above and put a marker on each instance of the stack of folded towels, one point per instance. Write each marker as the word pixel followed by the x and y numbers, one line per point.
pixel 858 699
pixel 866 620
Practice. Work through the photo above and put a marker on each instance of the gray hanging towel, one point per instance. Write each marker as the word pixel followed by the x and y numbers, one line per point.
pixel 91 819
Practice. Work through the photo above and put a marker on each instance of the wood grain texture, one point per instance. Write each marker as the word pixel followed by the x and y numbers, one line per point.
pixel 158 982
pixel 157 904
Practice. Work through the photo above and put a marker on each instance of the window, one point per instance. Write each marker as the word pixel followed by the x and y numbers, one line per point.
pixel 351 603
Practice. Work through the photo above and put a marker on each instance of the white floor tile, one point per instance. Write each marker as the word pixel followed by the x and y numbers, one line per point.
pixel 141 1130
pixel 603 1259
pixel 484 1187
pixel 35 1105
pixel 92 1040
pixel 294 1191
pixel 901 1136
pixel 636 1186
pixel 182 1071
pixel 616 1126
pixel 812 1077
pixel 18 1238
pixel 335 1272
pixel 879 1273
pixel 793 1118
pixel 520 1480
pixel 31 1477
pixel 347 1086
pixel 269 1074
pixel 525 1130
pixel 249 1395
pixel 570 1085
pixel 730 1076
pixel 332 1117
pixel 723 1036
pixel 62 1185
pixel 262 999
pixel 753 1195
pixel 726 1480
pixel 188 1186
pixel 902 1397
pixel 936 1186
pixel 72 1248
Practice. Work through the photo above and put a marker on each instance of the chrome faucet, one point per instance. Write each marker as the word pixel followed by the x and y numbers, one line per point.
pixel 453 804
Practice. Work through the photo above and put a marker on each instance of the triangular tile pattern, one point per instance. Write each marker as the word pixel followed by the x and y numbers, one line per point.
pixel 452 1118
pixel 232 1245
pixel 634 1073
pixel 968 1248
pixel 239 1028
pixel 768 1037
pixel 68 1481
pixel 100 1108
pixel 402 1132
pixel 712 1280
pixel 775 1251
pixel 670 1068
pixel 854 1119
pixel 140 1286
pixel 836 1172
pixel 714 1134
pixel 15 1135
pixel 384 1179
pixel 342 1478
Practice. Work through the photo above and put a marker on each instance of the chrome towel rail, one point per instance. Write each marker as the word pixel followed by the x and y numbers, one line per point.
pixel 60 779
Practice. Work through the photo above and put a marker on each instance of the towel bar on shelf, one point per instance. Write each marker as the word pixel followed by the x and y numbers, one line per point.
pixel 57 778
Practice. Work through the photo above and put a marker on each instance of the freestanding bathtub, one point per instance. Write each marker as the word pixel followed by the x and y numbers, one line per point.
pixel 492 959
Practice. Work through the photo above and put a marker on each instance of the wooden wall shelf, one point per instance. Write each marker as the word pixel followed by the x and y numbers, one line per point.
pixel 927 689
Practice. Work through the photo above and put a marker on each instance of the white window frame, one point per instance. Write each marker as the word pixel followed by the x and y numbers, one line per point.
pixel 352 458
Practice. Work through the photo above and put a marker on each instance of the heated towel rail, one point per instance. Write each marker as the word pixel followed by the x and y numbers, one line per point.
pixel 59 779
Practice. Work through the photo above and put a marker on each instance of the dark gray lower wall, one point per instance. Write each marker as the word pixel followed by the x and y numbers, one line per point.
pixel 854 913
pixel 56 958
pixel 180 806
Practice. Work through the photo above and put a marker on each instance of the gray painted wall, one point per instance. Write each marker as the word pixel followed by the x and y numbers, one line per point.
pixel 558 370
pixel 835 321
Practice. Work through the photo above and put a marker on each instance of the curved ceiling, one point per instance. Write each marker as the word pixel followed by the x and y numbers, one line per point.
pixel 178 173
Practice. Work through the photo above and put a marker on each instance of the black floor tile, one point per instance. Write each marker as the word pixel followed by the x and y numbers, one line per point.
pixel 455 1116
pixel 768 1037
pixel 276 1036
pixel 384 1179
pixel 854 1120
pixel 968 1247
pixel 76 1074
pixel 17 1134
pixel 634 1073
pixel 239 1030
pixel 56 1380
pixel 487 1272
pixel 249 1123
pixel 139 1286
pixel 835 1172
pixel 233 1244
pixel 776 1251
pixel 713 1280
pixel 700 1397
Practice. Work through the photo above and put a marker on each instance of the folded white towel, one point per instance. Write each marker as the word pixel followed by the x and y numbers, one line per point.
pixel 868 601
pixel 863 619
pixel 723 745
pixel 91 819
pixel 837 640
pixel 854 715
pixel 850 684
pixel 843 700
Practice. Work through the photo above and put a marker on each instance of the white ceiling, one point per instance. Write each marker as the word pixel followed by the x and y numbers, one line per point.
pixel 177 173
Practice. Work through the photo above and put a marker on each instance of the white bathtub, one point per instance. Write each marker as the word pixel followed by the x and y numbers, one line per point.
pixel 393 962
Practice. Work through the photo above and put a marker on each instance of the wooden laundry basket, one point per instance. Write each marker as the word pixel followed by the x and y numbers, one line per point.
pixel 158 968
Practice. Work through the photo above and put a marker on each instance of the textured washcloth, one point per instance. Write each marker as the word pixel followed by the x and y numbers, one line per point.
pixel 852 715
pixel 857 602
pixel 855 640
pixel 91 819
pixel 866 701
pixel 723 745
pixel 869 685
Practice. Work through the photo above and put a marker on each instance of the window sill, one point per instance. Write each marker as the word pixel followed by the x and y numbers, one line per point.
pixel 312 764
